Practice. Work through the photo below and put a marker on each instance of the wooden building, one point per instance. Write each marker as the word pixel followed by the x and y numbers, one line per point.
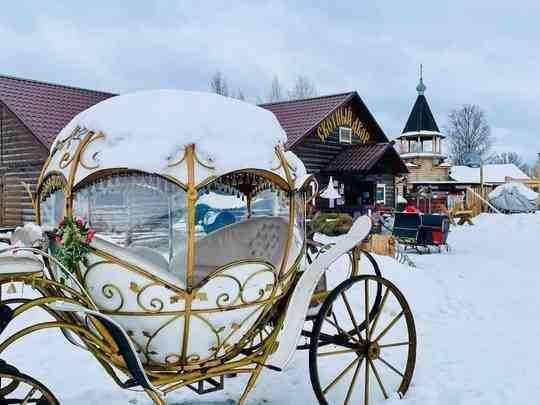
pixel 421 144
pixel 31 115
pixel 337 136
pixel 433 184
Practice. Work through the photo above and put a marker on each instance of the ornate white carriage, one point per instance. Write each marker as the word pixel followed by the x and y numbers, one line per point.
pixel 198 268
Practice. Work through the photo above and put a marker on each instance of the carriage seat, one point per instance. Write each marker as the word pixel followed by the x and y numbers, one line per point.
pixel 12 265
pixel 143 257
pixel 255 238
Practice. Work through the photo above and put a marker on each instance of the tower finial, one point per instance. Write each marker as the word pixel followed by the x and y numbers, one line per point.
pixel 421 88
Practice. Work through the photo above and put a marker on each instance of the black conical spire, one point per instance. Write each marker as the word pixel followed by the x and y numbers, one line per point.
pixel 421 118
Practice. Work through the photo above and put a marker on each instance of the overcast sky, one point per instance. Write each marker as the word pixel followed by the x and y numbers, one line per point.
pixel 481 52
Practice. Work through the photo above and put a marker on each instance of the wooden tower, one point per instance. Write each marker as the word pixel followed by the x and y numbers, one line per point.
pixel 421 144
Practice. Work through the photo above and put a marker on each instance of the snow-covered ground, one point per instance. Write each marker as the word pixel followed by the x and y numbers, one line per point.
pixel 476 314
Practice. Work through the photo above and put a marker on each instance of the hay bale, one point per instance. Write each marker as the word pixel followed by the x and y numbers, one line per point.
pixel 384 245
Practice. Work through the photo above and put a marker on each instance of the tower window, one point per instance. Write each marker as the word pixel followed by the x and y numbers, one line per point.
pixel 345 135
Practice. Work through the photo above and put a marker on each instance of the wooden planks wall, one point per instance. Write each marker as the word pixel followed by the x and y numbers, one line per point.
pixel 427 171
pixel 21 159
pixel 316 154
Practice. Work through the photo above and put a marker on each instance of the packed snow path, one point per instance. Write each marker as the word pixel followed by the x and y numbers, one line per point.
pixel 476 313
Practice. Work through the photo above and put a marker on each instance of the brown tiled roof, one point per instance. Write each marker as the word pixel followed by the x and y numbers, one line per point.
pixel 45 108
pixel 299 117
pixel 361 158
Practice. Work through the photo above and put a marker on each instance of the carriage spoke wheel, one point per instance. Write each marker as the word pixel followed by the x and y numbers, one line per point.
pixel 361 350
pixel 20 389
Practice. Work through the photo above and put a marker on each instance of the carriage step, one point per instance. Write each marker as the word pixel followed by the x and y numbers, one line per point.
pixel 211 385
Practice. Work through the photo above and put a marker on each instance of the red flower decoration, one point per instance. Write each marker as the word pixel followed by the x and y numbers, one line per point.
pixel 58 239
pixel 79 221
pixel 90 235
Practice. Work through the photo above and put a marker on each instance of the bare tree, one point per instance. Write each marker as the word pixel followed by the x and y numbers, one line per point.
pixel 240 95
pixel 507 157
pixel 218 84
pixel 468 131
pixel 276 93
pixel 303 88
pixel 511 157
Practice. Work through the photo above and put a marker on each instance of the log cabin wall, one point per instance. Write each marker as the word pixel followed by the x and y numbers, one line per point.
pixel 316 154
pixel 21 159
pixel 427 170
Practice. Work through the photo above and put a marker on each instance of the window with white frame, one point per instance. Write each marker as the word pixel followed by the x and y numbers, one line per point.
pixel 380 195
pixel 345 135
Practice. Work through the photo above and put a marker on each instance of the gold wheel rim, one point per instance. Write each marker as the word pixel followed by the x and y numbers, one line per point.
pixel 370 347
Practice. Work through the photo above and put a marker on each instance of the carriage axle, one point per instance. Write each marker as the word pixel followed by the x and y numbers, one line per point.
pixel 207 386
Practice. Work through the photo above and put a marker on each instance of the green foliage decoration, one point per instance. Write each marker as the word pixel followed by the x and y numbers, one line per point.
pixel 70 242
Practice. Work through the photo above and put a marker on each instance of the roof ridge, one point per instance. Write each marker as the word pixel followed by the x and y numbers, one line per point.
pixel 22 79
pixel 308 98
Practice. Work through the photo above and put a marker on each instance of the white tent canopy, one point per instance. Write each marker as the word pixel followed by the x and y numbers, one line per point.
pixel 514 197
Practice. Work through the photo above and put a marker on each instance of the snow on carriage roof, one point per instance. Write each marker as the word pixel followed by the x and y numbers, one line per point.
pixel 494 173
pixel 145 129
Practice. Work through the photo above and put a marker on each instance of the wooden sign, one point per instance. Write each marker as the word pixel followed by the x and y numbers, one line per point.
pixel 343 117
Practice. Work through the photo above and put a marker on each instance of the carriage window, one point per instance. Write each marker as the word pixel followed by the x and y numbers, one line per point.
pixel 142 212
pixel 239 218
pixel 299 232
pixel 51 208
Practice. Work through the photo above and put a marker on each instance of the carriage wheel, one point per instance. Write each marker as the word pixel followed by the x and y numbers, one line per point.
pixel 348 364
pixel 20 389
pixel 378 293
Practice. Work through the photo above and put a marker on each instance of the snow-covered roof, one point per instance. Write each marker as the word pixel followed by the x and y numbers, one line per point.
pixel 493 173
pixel 149 130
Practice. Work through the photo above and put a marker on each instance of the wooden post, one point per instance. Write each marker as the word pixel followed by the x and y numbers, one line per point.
pixel 482 193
